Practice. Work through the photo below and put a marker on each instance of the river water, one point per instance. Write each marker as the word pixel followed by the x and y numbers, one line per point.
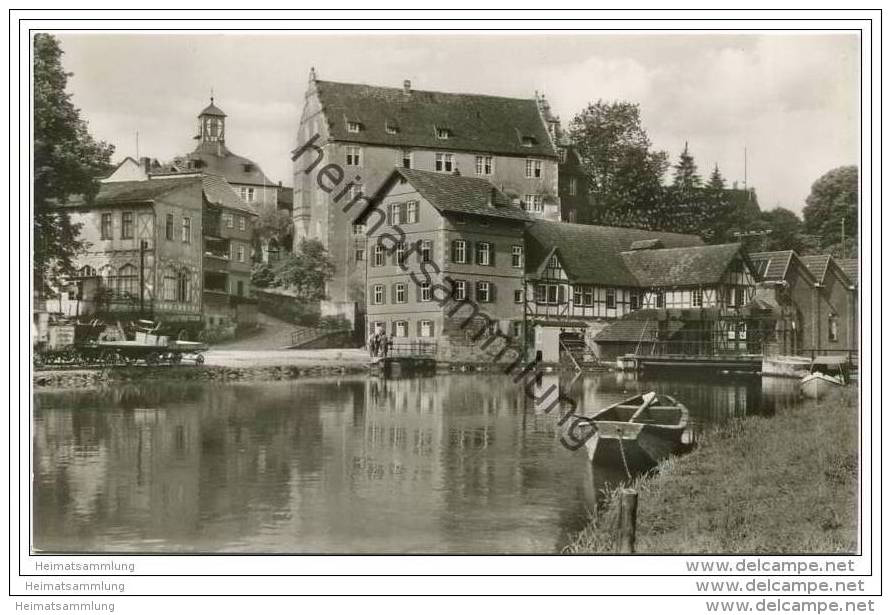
pixel 445 464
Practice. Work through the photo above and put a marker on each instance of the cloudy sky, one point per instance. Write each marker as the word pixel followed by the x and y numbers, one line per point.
pixel 792 100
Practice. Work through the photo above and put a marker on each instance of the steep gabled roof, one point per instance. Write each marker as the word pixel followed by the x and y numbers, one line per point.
pixel 592 254
pixel 217 191
pixel 817 264
pixel 820 264
pixel 688 266
pixel 457 194
pixel 476 122
pixel 851 267
pixel 772 266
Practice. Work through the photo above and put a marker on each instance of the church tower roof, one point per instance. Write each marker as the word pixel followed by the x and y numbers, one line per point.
pixel 212 109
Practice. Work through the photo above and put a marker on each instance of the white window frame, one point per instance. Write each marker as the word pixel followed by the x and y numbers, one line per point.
pixel 242 224
pixel 428 325
pixel 396 213
pixel 443 162
pixel 484 291
pixel 411 212
pixel 354 127
pixel 239 251
pixel 572 186
pixel 611 297
pixel 696 297
pixel 461 248
pixel 443 133
pixel 379 258
pixel 425 291
pixel 426 250
pixel 377 294
pixel 534 203
pixel 400 289
pixel 186 230
pixel 229 219
pixel 483 165
pixel 400 252
pixel 353 157
pixel 401 328
pixel 484 253
pixel 460 290
pixel 518 296
pixel 533 168
pixel 409 156
pixel 516 257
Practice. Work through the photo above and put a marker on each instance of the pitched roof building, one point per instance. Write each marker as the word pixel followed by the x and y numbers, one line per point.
pixel 366 131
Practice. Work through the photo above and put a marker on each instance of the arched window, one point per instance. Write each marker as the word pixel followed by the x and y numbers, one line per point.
pixel 86 272
pixel 182 286
pixel 127 280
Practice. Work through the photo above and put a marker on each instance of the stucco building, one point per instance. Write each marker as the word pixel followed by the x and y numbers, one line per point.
pixel 367 131
pixel 446 261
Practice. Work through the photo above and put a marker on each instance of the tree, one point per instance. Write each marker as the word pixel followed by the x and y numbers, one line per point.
pixel 272 228
pixel 624 178
pixel 787 231
pixel 305 272
pixel 67 161
pixel 833 198
pixel 686 178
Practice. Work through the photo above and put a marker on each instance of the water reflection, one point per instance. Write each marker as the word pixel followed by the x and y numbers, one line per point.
pixel 446 464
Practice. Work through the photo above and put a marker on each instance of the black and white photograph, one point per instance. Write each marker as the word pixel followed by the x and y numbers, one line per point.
pixel 583 293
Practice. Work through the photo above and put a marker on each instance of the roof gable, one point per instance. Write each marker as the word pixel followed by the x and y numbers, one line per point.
pixel 219 192
pixel 591 254
pixel 686 266
pixel 455 194
pixel 440 120
pixel 821 264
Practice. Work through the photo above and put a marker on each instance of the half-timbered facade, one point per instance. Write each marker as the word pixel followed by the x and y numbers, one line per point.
pixel 158 246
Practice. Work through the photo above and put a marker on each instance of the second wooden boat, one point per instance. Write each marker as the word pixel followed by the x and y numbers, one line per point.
pixel 827 374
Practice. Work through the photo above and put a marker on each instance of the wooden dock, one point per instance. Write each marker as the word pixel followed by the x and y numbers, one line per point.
pixel 739 363
pixel 406 358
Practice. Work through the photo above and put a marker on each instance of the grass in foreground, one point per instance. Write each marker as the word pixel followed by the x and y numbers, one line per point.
pixel 784 484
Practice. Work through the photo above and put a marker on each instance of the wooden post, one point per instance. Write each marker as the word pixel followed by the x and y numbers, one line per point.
pixel 627 521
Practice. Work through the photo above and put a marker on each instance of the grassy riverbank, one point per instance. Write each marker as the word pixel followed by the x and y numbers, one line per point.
pixel 784 484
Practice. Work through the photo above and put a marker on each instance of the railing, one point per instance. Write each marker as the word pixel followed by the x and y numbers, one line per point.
pixel 309 334
pixel 852 353
pixel 413 348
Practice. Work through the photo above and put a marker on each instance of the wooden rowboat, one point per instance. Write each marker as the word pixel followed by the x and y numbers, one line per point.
pixel 639 431
pixel 827 374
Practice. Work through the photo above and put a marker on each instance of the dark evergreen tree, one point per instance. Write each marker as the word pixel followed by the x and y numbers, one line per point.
pixel 686 177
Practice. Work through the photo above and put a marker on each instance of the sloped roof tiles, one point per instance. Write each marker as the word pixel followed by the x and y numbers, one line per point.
pixel 685 266
pixel 592 254
pixel 465 195
pixel 411 118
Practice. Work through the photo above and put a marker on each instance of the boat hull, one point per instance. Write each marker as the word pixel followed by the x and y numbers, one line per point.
pixel 817 386
pixel 640 445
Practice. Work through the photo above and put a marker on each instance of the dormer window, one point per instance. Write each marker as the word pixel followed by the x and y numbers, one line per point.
pixel 354 127
pixel 248 167
pixel 391 128
pixel 528 141
pixel 443 133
